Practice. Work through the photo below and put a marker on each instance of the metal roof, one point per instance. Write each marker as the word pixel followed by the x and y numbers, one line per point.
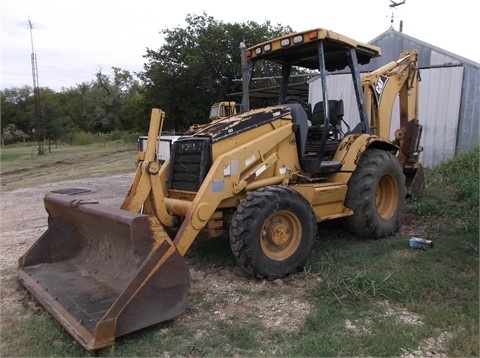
pixel 301 49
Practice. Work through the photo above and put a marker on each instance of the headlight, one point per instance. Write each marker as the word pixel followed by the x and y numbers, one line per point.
pixel 298 39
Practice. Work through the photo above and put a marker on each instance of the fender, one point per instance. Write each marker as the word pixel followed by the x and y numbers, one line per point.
pixel 353 146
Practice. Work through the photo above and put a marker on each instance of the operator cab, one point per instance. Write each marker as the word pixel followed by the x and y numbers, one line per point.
pixel 319 130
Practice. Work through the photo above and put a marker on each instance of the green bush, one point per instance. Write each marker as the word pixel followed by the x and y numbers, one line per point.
pixel 81 138
pixel 452 189
pixel 87 138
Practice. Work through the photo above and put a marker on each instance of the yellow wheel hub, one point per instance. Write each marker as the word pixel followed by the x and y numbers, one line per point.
pixel 386 196
pixel 281 235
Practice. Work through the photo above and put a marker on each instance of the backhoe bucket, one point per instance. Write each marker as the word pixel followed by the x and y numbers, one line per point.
pixel 415 181
pixel 103 272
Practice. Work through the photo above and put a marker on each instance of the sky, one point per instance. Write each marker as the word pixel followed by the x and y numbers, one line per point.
pixel 75 39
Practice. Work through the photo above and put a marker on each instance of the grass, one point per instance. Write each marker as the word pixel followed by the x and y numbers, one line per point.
pixel 368 297
pixel 21 166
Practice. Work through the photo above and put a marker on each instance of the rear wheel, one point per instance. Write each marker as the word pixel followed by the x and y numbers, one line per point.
pixel 273 232
pixel 376 194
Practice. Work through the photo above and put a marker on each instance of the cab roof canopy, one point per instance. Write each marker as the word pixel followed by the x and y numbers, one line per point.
pixel 302 49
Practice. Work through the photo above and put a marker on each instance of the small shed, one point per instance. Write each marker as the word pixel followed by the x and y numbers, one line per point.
pixel 449 103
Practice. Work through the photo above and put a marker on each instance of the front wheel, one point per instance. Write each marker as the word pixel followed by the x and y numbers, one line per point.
pixel 273 232
pixel 376 194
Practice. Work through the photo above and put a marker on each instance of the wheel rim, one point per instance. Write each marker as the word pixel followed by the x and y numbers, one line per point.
pixel 281 235
pixel 386 196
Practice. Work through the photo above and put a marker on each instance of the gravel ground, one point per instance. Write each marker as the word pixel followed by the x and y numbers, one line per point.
pixel 23 215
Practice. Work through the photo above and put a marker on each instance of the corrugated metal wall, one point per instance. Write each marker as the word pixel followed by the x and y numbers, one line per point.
pixel 469 116
pixel 439 108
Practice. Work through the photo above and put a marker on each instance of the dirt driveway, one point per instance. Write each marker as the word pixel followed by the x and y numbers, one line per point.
pixel 23 215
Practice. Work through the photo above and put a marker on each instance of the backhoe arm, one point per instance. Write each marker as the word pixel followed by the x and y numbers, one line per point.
pixel 381 88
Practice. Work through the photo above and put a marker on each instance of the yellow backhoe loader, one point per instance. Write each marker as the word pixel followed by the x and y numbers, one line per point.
pixel 264 176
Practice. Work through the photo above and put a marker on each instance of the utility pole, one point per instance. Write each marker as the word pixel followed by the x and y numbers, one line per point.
pixel 36 94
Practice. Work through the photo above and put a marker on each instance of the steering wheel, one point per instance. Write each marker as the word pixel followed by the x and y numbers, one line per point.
pixel 305 105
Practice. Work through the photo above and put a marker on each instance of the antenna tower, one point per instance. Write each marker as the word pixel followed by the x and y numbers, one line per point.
pixel 36 92
pixel 393 5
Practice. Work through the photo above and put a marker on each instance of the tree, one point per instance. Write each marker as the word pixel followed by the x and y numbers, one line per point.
pixel 17 107
pixel 108 103
pixel 198 66
pixel 77 104
pixel 115 98
pixel 57 123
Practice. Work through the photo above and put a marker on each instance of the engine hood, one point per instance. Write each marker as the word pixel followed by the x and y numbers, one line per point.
pixel 239 123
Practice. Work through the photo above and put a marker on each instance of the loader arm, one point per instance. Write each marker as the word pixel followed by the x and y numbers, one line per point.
pixel 230 174
pixel 147 190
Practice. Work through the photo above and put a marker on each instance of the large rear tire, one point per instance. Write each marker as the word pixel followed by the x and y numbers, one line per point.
pixel 376 194
pixel 273 232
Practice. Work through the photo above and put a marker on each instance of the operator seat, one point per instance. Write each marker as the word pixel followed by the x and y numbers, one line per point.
pixel 335 111
pixel 300 118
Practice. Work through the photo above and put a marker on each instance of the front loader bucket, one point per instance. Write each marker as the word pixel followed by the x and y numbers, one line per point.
pixel 103 272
